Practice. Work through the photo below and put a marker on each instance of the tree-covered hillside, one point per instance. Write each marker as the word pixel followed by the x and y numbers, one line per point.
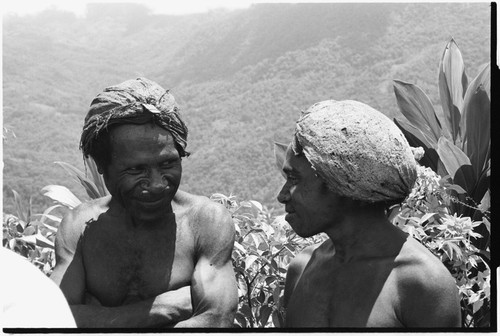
pixel 241 78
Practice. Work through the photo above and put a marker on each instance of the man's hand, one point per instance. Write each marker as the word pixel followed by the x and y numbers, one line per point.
pixel 164 310
pixel 179 299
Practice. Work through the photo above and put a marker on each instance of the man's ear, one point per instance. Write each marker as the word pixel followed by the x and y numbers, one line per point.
pixel 97 172
pixel 279 155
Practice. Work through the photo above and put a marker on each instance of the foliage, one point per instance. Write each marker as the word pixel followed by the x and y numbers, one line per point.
pixel 264 245
pixel 426 216
pixel 31 235
pixel 263 249
pixel 461 148
pixel 451 216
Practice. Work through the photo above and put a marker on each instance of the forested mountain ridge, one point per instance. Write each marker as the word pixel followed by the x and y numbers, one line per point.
pixel 241 78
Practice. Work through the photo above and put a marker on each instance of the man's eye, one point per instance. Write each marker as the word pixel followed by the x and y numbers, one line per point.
pixel 134 170
pixel 292 179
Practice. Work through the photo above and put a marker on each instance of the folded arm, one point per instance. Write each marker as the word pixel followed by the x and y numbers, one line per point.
pixel 213 285
pixel 163 310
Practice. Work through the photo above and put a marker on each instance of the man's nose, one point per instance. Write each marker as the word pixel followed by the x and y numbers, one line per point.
pixel 284 195
pixel 157 181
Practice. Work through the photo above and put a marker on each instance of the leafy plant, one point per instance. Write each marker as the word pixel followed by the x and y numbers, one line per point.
pixel 426 216
pixel 31 235
pixel 461 148
pixel 263 249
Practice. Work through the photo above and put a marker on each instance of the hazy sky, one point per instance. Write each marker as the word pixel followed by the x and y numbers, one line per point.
pixel 158 7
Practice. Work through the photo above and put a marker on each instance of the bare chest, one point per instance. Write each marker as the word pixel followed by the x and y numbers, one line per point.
pixel 361 295
pixel 124 267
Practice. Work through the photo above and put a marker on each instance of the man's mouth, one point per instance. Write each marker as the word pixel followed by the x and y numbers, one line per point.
pixel 149 202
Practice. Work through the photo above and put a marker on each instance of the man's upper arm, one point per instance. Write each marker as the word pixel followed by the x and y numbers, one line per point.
pixel 430 299
pixel 69 272
pixel 213 286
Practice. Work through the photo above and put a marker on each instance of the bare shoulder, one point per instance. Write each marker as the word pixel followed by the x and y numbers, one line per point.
pixel 427 290
pixel 75 220
pixel 86 212
pixel 210 222
pixel 417 265
pixel 201 209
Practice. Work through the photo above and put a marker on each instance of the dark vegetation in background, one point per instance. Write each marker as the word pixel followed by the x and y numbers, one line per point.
pixel 241 78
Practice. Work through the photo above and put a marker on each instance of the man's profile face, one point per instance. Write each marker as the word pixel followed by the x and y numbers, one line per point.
pixel 311 208
pixel 144 171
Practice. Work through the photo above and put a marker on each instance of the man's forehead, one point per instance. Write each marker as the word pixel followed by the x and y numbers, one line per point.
pixel 295 163
pixel 130 132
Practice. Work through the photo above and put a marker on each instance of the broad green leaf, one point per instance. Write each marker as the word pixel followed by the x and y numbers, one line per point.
pixel 482 184
pixel 417 139
pixel 62 195
pixel 478 126
pixel 97 178
pixel 418 109
pixel 279 155
pixel 483 79
pixel 80 177
pixel 451 156
pixel 21 211
pixel 452 87
pixel 265 312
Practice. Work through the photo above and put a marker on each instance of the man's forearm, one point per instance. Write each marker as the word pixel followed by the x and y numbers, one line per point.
pixel 164 310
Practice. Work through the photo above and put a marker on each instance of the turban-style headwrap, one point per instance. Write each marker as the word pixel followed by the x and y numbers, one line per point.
pixel 134 101
pixel 359 152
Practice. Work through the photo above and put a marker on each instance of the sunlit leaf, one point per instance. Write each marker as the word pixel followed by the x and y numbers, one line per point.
pixel 452 87
pixel 12 243
pixel 97 178
pixel 418 109
pixel 80 177
pixel 62 195
pixel 457 188
pixel 21 210
pixel 451 156
pixel 249 260
pixel 257 205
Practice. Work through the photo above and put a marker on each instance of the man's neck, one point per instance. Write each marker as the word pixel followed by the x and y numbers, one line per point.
pixel 365 235
pixel 117 210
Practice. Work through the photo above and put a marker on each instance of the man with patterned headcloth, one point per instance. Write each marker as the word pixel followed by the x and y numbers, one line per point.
pixel 148 255
pixel 346 164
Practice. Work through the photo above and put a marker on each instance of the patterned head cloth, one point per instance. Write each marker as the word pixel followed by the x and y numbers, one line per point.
pixel 357 151
pixel 135 101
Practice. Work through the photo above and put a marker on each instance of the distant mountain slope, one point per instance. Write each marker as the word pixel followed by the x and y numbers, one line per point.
pixel 241 78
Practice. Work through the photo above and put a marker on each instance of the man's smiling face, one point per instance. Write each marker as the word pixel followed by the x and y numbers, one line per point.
pixel 311 207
